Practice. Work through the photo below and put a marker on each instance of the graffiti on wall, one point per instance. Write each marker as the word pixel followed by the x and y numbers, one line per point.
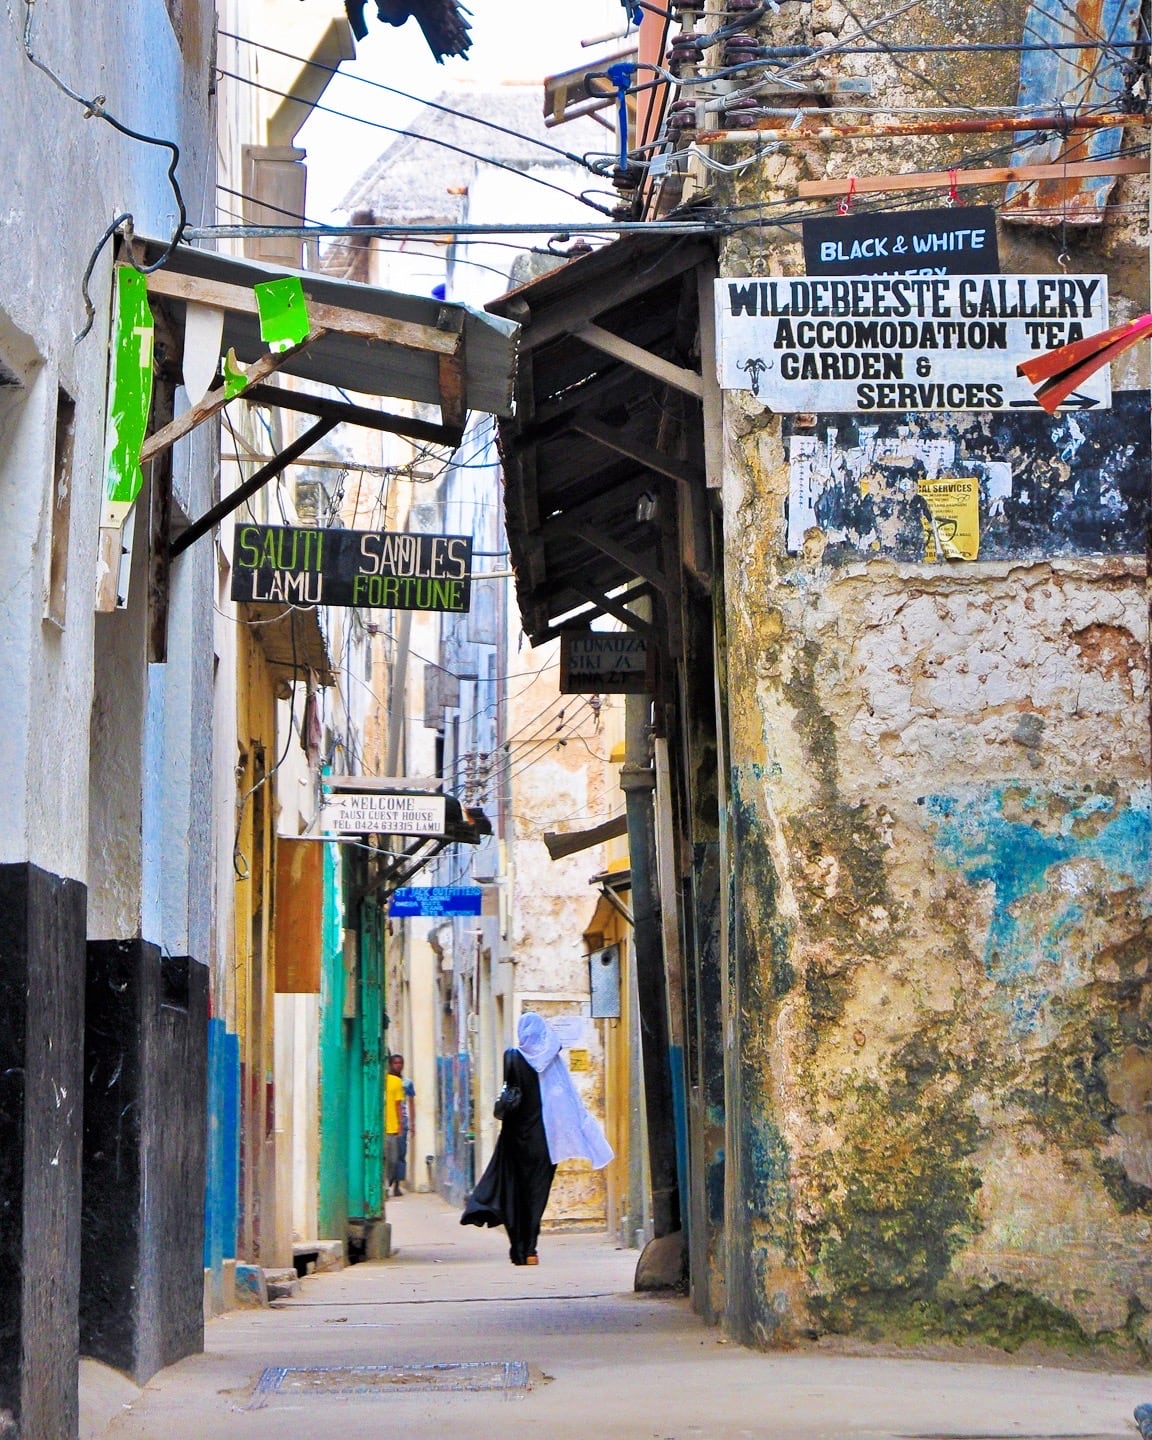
pixel 1070 484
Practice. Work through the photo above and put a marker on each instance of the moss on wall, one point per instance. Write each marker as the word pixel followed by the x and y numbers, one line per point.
pixel 899 1187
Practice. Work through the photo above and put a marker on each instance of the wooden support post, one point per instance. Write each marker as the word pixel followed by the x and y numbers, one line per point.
pixel 215 400
pixel 942 179
pixel 453 390
pixel 243 492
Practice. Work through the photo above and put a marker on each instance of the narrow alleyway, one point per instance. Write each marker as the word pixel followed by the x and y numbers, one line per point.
pixel 565 1349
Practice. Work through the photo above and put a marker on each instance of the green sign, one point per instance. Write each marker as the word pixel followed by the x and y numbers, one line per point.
pixel 372 569
pixel 283 312
pixel 129 395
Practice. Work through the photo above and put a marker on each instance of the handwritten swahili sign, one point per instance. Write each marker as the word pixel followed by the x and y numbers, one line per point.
pixel 915 343
pixel 350 812
pixel 376 569
pixel 436 900
pixel 958 240
pixel 605 662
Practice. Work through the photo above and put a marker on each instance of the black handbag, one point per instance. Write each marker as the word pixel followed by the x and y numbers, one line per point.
pixel 507 1100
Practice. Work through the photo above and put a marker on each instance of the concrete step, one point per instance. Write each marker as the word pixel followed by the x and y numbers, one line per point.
pixel 282 1284
pixel 312 1257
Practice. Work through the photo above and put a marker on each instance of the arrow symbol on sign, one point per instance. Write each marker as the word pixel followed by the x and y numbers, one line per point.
pixel 1075 401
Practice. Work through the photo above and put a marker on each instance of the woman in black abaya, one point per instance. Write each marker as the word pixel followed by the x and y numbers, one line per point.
pixel 548 1122
pixel 513 1190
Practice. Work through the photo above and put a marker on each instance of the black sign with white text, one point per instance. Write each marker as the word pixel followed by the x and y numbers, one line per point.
pixel 374 569
pixel 952 240
pixel 605 662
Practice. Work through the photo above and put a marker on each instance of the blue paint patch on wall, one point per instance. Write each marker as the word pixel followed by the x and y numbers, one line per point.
pixel 223 1179
pixel 1012 838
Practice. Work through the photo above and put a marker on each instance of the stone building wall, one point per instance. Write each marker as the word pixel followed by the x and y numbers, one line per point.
pixel 939 832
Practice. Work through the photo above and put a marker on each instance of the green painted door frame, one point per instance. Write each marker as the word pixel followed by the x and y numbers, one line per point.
pixel 333 1198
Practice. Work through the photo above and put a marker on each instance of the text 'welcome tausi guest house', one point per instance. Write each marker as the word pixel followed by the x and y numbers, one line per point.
pixel 373 569
pixel 904 342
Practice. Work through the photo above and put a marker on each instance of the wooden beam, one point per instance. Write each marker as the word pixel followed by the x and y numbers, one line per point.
pixel 942 179
pixel 645 455
pixel 453 407
pixel 607 606
pixel 713 395
pixel 573 841
pixel 348 414
pixel 237 497
pixel 643 360
pixel 215 400
pixel 627 493
pixel 633 563
pixel 638 276
pixel 338 318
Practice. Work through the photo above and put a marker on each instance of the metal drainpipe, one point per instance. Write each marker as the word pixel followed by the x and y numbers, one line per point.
pixel 638 781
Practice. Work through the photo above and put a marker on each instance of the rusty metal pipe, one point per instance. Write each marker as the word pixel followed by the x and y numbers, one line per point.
pixel 1059 123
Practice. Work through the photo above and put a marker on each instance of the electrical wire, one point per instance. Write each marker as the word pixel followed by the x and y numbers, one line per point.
pixel 94 109
pixel 414 135
pixel 405 95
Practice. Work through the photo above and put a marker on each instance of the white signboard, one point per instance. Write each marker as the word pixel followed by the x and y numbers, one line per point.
pixel 572 1029
pixel 820 344
pixel 358 813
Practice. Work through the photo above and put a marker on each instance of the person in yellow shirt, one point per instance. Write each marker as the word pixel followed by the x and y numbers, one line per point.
pixel 398 1096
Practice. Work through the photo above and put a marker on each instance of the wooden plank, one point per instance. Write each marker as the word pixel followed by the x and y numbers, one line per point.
pixel 349 414
pixel 215 400
pixel 608 288
pixel 453 406
pixel 713 395
pixel 942 179
pixel 643 360
pixel 621 444
pixel 337 318
pixel 299 909
pixel 616 608
pixel 573 841
pixel 633 563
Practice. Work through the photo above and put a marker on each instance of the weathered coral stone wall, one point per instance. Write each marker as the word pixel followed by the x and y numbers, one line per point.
pixel 941 783
pixel 940 1036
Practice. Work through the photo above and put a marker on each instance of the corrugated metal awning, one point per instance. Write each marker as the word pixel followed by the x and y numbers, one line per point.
pixel 291 639
pixel 1076 80
pixel 606 452
pixel 368 366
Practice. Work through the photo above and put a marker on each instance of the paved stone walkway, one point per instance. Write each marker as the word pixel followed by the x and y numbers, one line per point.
pixel 567 1349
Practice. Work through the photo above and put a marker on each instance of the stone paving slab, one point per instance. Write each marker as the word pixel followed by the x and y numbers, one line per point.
pixel 600 1360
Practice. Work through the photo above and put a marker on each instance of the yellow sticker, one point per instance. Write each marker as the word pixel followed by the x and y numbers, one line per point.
pixel 578 1060
pixel 952 524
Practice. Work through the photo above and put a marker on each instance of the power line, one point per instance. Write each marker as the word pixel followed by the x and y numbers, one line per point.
pixel 413 135
pixel 405 95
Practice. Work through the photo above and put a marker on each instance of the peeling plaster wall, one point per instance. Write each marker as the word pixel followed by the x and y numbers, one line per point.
pixel 940 1048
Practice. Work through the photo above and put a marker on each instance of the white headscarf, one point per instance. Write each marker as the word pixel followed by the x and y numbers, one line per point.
pixel 573 1132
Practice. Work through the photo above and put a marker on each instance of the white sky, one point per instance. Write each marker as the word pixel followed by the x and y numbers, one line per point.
pixel 513 42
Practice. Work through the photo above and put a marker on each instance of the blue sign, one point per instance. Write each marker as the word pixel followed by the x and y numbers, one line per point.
pixel 436 900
